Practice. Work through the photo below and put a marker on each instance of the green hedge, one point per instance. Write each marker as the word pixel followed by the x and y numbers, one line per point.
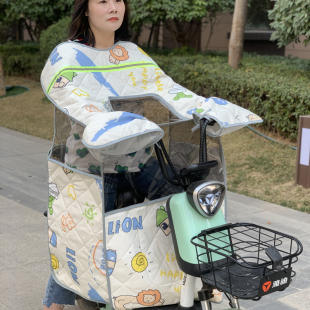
pixel 274 87
pixel 54 35
pixel 28 58
pixel 22 59
pixel 277 93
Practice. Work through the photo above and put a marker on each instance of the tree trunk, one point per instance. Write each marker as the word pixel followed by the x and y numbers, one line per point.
pixel 2 87
pixel 156 35
pixel 237 33
pixel 29 29
pixel 197 35
pixel 150 36
pixel 134 37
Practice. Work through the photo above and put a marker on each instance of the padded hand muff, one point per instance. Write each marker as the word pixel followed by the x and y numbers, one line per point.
pixel 118 133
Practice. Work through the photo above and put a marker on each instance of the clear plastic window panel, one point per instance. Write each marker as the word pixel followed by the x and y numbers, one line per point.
pixel 123 188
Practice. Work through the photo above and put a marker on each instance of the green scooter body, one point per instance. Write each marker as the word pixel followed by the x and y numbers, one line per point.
pixel 185 223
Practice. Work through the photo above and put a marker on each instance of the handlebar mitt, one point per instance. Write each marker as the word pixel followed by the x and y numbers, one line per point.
pixel 119 133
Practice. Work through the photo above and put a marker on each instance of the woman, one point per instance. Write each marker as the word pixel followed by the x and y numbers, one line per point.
pixel 98 24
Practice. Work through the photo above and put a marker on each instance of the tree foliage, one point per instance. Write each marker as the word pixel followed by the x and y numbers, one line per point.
pixel 54 35
pixel 43 12
pixel 182 10
pixel 257 16
pixel 174 13
pixel 291 19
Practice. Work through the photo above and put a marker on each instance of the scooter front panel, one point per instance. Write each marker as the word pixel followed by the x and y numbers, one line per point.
pixel 185 223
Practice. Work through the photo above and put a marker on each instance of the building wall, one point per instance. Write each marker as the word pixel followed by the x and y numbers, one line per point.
pixel 218 40
pixel 298 50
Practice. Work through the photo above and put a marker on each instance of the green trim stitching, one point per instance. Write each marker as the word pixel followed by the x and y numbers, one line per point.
pixel 93 69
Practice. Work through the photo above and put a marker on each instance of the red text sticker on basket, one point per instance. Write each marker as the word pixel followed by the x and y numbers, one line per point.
pixel 275 281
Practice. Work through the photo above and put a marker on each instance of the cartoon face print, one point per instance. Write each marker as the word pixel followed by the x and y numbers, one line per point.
pixel 64 79
pixel 253 118
pixel 148 299
pixel 61 82
pixel 144 298
pixel 99 258
pixel 118 54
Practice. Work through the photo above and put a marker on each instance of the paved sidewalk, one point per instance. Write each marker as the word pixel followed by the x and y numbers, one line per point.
pixel 24 262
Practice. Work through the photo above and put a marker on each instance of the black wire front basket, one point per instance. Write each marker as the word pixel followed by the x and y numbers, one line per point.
pixel 246 260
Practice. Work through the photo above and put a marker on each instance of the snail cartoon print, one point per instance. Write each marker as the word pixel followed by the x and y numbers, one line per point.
pixel 140 263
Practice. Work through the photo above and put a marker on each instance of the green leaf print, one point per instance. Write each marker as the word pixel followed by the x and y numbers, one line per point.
pixel 76 136
pixel 94 170
pixel 82 152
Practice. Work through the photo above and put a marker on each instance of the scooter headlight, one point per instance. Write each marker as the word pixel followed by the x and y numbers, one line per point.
pixel 206 197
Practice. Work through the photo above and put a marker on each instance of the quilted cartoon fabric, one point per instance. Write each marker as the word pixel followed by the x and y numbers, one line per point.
pixel 119 133
pixel 126 257
pixel 82 80
pixel 140 269
pixel 81 158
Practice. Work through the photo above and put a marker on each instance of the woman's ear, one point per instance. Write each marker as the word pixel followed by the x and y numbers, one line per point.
pixel 86 14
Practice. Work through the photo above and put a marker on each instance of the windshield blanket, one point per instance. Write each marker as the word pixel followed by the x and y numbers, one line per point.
pixel 82 80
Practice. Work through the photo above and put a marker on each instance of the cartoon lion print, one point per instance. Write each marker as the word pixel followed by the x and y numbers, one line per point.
pixel 144 298
pixel 118 54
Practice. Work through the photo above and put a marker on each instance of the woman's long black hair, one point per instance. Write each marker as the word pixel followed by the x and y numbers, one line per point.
pixel 79 28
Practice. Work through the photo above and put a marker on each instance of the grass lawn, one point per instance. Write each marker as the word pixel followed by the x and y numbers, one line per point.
pixel 263 169
pixel 28 112
pixel 256 167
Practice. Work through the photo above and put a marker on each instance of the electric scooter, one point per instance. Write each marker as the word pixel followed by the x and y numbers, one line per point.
pixel 242 260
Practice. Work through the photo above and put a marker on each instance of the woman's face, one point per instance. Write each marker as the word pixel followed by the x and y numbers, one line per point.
pixel 105 15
